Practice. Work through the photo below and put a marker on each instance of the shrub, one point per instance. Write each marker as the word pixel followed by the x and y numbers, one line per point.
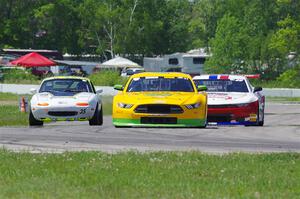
pixel 290 78
pixel 20 76
pixel 107 78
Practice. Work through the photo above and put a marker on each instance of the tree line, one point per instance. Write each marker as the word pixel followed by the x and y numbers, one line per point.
pixel 241 35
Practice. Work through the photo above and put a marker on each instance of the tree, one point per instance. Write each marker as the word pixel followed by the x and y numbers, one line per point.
pixel 203 23
pixel 56 24
pixel 227 46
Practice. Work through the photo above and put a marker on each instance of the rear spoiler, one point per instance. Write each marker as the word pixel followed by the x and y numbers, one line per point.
pixel 255 76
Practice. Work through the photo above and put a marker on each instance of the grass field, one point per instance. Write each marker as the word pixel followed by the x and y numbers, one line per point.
pixel 149 175
pixel 11 116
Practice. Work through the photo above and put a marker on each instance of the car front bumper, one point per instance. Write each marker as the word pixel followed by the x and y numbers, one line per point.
pixel 62 113
pixel 189 118
pixel 233 115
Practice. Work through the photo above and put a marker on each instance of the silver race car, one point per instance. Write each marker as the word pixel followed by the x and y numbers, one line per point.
pixel 65 99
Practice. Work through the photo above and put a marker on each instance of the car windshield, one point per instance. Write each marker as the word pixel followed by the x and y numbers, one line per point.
pixel 178 84
pixel 65 87
pixel 219 85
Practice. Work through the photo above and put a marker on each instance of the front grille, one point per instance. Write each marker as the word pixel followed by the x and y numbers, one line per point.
pixel 158 120
pixel 224 118
pixel 228 106
pixel 159 109
pixel 219 118
pixel 62 113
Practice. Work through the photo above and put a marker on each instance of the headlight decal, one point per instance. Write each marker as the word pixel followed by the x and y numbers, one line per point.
pixel 193 106
pixel 123 105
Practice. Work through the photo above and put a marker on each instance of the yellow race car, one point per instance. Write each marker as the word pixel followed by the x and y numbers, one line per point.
pixel 160 99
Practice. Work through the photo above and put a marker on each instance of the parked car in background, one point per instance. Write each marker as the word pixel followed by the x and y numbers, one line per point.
pixel 233 100
pixel 72 71
pixel 126 72
pixel 43 71
pixel 160 99
pixel 5 59
pixel 66 99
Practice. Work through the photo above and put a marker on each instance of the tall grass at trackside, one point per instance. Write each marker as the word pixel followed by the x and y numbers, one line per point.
pixel 149 175
pixel 107 78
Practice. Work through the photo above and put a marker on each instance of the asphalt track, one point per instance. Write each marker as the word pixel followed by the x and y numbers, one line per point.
pixel 281 133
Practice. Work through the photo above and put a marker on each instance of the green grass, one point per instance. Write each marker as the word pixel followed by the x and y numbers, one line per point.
pixel 283 99
pixel 107 104
pixel 149 175
pixel 11 116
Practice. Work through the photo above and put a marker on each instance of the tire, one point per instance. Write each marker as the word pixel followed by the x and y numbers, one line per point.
pixel 33 121
pixel 97 119
pixel 119 127
pixel 261 123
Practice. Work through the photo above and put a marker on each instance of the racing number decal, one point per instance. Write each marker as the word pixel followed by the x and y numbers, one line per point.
pixel 82 111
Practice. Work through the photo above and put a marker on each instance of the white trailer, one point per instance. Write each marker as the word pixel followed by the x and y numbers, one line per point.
pixel 191 62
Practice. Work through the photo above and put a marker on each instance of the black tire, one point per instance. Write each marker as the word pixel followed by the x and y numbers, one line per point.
pixel 97 119
pixel 261 123
pixel 33 121
pixel 119 127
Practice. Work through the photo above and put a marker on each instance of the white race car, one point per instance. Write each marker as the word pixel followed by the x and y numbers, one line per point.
pixel 232 100
pixel 65 99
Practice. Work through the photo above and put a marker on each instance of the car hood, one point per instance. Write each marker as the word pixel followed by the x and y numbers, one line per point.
pixel 84 96
pixel 158 97
pixel 218 98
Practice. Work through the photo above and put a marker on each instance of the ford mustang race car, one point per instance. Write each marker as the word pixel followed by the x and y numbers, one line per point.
pixel 232 99
pixel 65 99
pixel 160 99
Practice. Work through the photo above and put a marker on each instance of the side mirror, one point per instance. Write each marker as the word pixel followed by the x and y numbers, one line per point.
pixel 99 91
pixel 33 90
pixel 201 88
pixel 256 89
pixel 119 87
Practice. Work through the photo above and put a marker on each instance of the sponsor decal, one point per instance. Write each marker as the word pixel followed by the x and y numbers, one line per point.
pixel 253 117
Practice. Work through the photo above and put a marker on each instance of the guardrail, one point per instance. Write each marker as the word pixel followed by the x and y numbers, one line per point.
pixel 108 90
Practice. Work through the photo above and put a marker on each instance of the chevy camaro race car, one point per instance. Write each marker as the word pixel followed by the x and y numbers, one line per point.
pixel 232 99
pixel 65 99
pixel 160 99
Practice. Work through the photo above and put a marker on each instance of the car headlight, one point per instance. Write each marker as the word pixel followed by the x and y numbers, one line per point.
pixel 43 104
pixel 123 105
pixel 193 106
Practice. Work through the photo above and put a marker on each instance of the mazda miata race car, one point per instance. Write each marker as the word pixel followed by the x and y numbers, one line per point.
pixel 65 99
pixel 232 100
pixel 160 99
